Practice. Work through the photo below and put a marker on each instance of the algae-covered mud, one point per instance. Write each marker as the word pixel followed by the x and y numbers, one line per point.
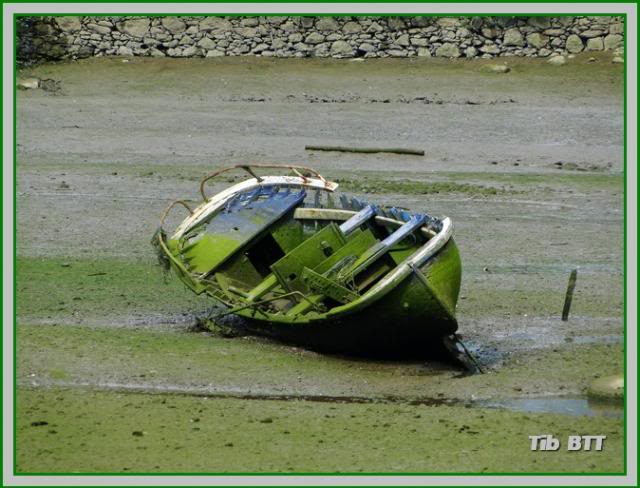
pixel 114 375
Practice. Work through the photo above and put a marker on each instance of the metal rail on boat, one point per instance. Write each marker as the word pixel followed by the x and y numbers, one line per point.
pixel 249 169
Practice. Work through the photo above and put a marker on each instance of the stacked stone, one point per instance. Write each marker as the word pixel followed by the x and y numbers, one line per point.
pixel 339 37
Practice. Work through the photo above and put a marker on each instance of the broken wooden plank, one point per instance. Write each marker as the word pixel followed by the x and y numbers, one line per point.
pixel 394 150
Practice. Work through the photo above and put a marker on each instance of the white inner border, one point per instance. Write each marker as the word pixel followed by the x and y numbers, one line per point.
pixel 336 8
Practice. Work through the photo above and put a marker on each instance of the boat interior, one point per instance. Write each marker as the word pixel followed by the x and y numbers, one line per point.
pixel 291 250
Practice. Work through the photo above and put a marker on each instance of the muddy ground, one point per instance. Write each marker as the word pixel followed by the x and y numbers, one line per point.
pixel 113 378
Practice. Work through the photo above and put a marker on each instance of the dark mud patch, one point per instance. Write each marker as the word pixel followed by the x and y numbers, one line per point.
pixel 79 354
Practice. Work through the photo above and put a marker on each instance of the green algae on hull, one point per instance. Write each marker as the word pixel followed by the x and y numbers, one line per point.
pixel 351 277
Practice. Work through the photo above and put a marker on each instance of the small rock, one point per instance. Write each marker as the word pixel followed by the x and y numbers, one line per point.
pixel 595 44
pixel 260 47
pixel 190 51
pixel 135 27
pixel 207 44
pixel 99 29
pixel 557 60
pixel 174 25
pixel 314 38
pixel 612 41
pixel 396 23
pixel 537 40
pixel 607 388
pixel 539 22
pixel 418 41
pixel 403 40
pixel 495 68
pixel 247 32
pixel 214 53
pixel 69 24
pixel 295 37
pixel 513 37
pixel 574 44
pixel 125 51
pixel 352 28
pixel 250 21
pixel 328 24
pixel 618 60
pixel 489 33
pixel 616 28
pixel 490 49
pixel 28 83
pixel 397 53
pixel 215 25
pixel 366 47
pixel 341 48
pixel 448 50
pixel 588 34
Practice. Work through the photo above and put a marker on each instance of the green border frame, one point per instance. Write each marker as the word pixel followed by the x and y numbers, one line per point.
pixel 346 474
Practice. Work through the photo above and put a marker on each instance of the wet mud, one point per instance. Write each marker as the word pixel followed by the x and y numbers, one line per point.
pixel 528 165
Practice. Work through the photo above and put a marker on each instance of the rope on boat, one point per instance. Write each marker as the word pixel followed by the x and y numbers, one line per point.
pixel 159 236
pixel 255 305
pixel 467 353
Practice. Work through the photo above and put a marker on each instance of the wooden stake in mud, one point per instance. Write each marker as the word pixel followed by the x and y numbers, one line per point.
pixel 569 296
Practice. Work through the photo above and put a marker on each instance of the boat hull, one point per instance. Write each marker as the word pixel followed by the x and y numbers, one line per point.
pixel 410 319
pixel 279 252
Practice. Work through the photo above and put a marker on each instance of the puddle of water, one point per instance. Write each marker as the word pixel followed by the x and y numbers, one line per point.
pixel 563 405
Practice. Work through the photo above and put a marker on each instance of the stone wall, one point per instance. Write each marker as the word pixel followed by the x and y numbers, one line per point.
pixel 53 38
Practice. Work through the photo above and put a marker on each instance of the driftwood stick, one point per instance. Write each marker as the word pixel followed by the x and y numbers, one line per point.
pixel 569 296
pixel 395 150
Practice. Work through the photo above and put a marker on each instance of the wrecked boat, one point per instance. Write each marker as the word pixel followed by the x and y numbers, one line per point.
pixel 305 265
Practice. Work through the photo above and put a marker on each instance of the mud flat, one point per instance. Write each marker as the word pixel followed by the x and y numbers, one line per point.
pixel 528 164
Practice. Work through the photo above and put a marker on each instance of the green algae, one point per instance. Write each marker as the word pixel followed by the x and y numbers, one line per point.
pixel 150 359
pixel 71 289
pixel 90 431
pixel 91 436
